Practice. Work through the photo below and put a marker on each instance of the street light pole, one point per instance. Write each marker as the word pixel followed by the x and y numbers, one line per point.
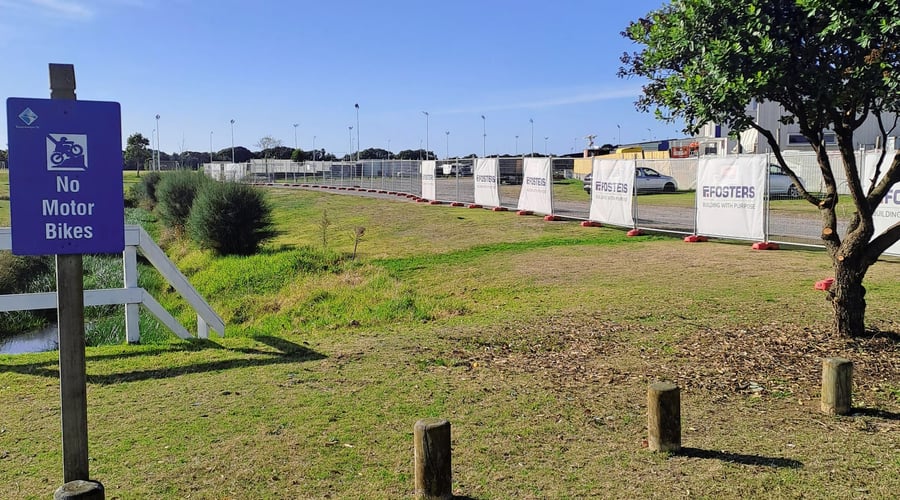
pixel 232 141
pixel 295 135
pixel 426 133
pixel 358 145
pixel 350 149
pixel 448 144
pixel 620 134
pixel 545 145
pixel 517 145
pixel 210 148
pixel 483 137
pixel 314 148
pixel 158 163
pixel 531 120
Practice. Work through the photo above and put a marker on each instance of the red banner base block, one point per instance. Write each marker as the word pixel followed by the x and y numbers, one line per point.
pixel 499 209
pixel 634 232
pixel 551 218
pixel 524 212
pixel 474 205
pixel 695 238
pixel 590 223
pixel 765 245
pixel 824 284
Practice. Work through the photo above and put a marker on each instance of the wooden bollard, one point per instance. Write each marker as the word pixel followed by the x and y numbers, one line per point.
pixel 664 417
pixel 431 438
pixel 80 490
pixel 837 380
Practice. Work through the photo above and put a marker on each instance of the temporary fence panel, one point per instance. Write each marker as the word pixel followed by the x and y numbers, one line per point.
pixel 487 182
pixel 536 194
pixel 612 187
pixel 428 191
pixel 730 197
pixel 888 212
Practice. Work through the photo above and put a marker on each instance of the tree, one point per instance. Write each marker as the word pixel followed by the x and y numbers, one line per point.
pixel 298 156
pixel 136 151
pixel 830 64
pixel 416 154
pixel 266 144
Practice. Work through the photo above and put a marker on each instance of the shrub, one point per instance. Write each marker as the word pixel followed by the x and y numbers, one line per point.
pixel 144 192
pixel 175 194
pixel 25 274
pixel 231 219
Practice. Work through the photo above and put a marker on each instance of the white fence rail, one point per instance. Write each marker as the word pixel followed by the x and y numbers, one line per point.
pixel 130 295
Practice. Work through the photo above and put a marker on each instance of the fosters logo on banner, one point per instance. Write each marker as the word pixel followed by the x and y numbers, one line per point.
pixel 730 197
pixel 888 212
pixel 611 191
pixel 537 186
pixel 487 182
pixel 428 183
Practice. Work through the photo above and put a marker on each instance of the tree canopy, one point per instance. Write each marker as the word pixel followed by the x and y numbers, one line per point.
pixel 830 64
pixel 136 151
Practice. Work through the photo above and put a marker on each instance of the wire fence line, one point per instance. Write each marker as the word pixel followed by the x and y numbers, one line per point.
pixel 454 183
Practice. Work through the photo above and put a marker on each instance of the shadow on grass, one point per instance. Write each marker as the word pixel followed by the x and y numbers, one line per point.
pixel 287 352
pixel 874 412
pixel 739 458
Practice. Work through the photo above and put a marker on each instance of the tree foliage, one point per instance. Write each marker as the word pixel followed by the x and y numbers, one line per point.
pixel 830 64
pixel 137 151
pixel 415 154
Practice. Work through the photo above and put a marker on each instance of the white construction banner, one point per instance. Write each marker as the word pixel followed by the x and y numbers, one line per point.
pixel 487 182
pixel 537 186
pixel 612 186
pixel 888 212
pixel 428 185
pixel 731 196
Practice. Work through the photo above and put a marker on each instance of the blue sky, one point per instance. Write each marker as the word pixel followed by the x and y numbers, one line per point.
pixel 271 64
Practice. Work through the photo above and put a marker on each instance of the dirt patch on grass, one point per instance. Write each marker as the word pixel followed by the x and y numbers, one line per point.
pixel 581 352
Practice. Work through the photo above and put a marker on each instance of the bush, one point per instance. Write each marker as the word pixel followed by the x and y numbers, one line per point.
pixel 231 219
pixel 25 274
pixel 175 194
pixel 144 192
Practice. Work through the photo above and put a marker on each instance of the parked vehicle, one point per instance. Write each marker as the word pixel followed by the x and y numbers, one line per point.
pixel 646 180
pixel 780 183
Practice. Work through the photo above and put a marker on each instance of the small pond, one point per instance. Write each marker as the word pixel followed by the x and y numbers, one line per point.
pixel 46 339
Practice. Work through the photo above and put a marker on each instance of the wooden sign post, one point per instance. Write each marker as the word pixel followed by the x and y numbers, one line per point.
pixel 70 315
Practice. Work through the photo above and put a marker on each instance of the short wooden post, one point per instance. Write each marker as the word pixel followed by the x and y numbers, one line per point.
pixel 664 417
pixel 431 438
pixel 80 490
pixel 837 379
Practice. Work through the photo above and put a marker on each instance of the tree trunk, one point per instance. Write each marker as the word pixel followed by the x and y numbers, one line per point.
pixel 848 296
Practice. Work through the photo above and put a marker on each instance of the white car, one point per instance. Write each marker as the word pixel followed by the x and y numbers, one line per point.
pixel 646 180
pixel 780 183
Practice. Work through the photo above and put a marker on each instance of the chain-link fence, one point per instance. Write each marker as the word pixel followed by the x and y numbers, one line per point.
pixel 454 183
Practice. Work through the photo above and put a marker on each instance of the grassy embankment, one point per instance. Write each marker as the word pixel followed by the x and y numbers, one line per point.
pixel 537 340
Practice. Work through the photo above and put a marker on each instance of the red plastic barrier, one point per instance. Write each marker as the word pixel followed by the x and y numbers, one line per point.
pixel 824 284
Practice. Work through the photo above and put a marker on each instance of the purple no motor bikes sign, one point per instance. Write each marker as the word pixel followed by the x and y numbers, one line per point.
pixel 65 176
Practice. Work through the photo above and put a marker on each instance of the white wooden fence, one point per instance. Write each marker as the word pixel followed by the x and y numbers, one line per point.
pixel 130 295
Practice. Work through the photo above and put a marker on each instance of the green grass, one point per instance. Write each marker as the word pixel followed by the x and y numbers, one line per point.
pixel 537 340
